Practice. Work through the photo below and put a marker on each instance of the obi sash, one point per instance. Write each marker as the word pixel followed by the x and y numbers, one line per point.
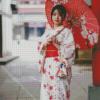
pixel 51 51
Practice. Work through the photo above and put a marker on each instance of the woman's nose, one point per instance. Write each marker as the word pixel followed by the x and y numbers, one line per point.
pixel 57 16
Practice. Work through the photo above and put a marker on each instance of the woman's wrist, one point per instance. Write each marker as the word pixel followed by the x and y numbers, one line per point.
pixel 44 46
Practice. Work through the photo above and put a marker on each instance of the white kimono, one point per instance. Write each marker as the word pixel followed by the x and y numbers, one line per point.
pixel 52 87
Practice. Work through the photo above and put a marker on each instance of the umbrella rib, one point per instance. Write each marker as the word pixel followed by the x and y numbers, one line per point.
pixel 92 24
pixel 73 6
pixel 85 9
pixel 70 8
pixel 81 9
pixel 77 5
pixel 76 9
pixel 88 12
pixel 90 19
pixel 69 4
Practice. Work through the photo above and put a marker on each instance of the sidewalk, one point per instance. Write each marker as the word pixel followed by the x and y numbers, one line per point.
pixel 12 89
pixel 79 84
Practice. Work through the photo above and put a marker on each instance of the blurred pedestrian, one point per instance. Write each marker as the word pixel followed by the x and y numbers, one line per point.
pixel 18 37
pixel 51 47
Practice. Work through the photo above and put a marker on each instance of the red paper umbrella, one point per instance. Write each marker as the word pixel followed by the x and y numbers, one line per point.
pixel 80 18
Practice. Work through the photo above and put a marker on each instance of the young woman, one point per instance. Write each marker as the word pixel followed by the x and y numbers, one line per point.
pixel 53 87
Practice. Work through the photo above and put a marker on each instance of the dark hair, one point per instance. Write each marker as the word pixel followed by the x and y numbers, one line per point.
pixel 59 7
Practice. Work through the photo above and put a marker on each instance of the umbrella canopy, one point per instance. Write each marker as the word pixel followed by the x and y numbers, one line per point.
pixel 80 18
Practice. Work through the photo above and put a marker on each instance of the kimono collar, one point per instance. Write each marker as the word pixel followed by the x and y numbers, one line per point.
pixel 55 31
pixel 57 27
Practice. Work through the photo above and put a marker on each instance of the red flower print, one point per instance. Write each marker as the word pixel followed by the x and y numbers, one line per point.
pixel 47 35
pixel 69 69
pixel 49 73
pixel 51 97
pixel 64 51
pixel 38 48
pixel 44 71
pixel 64 62
pixel 51 87
pixel 67 94
pixel 67 72
pixel 39 43
pixel 44 86
pixel 52 77
pixel 39 62
pixel 67 47
pixel 56 59
pixel 49 66
pixel 58 31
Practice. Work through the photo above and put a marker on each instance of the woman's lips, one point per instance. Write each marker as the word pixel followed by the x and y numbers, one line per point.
pixel 57 20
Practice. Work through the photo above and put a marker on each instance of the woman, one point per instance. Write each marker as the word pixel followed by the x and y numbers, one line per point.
pixel 53 87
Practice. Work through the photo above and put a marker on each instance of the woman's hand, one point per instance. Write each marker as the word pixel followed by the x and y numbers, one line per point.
pixel 47 43
pixel 56 43
pixel 53 39
pixel 41 69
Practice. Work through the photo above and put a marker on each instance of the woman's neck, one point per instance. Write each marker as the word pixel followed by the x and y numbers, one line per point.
pixel 56 26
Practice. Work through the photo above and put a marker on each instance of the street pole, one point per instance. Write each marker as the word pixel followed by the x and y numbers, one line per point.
pixel 94 90
pixel 0 36
pixel 96 49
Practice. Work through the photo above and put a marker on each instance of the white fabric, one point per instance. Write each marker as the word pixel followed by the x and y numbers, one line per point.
pixel 68 50
pixel 54 88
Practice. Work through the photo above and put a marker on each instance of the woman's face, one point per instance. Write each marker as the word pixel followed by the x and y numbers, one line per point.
pixel 56 17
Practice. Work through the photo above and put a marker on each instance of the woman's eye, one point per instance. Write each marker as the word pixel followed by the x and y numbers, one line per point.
pixel 59 14
pixel 54 14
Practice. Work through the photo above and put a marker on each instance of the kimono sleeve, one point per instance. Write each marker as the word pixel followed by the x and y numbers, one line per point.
pixel 68 45
pixel 42 41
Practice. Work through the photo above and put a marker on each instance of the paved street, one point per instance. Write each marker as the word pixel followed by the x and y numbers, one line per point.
pixel 21 81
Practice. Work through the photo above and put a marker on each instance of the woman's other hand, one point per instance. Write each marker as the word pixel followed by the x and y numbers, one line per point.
pixel 56 43
pixel 46 43
pixel 41 69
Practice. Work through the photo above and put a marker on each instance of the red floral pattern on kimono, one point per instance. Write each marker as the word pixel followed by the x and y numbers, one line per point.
pixel 52 87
